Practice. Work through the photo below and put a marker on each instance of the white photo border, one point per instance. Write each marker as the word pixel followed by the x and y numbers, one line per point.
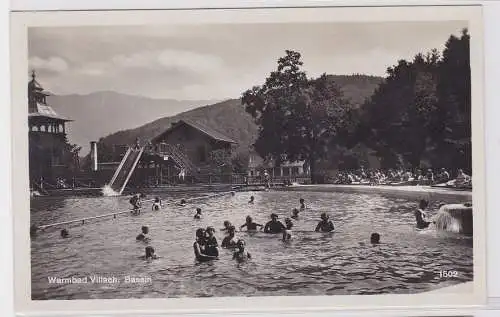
pixel 21 21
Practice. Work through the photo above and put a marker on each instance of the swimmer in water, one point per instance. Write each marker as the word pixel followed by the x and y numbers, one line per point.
pixel 150 254
pixel 274 226
pixel 421 215
pixel 33 230
pixel 183 202
pixel 295 213
pixel 199 247
pixel 64 233
pixel 241 255
pixel 135 201
pixel 143 236
pixel 251 226
pixel 211 244
pixel 302 204
pixel 157 204
pixel 325 225
pixel 198 213
pixel 229 242
pixel 227 225
pixel 252 200
pixel 287 234
pixel 375 238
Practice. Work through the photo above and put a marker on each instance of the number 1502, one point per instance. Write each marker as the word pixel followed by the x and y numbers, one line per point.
pixel 448 274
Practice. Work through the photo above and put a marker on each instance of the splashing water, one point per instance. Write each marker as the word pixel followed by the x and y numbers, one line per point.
pixel 454 218
pixel 108 191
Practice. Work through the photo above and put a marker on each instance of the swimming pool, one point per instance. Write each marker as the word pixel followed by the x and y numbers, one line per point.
pixel 344 262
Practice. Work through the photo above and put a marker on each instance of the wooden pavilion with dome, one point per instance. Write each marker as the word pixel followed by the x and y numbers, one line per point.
pixel 49 151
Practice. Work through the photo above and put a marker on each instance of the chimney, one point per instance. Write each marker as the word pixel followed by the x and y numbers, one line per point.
pixel 93 156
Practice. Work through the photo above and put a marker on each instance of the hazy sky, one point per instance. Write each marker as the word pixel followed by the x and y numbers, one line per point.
pixel 217 61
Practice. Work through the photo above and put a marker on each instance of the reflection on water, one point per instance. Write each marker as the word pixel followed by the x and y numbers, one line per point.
pixel 344 262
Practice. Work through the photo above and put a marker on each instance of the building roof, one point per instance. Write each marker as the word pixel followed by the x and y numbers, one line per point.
pixel 256 161
pixel 216 135
pixel 45 111
pixel 37 107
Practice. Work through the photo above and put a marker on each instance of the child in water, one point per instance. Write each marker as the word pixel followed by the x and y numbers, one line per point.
pixel 198 213
pixel 227 225
pixel 199 247
pixel 375 238
pixel 156 204
pixel 325 225
pixel 229 242
pixel 64 233
pixel 252 200
pixel 251 226
pixel 241 255
pixel 211 244
pixel 150 254
pixel 143 235
pixel 421 215
pixel 135 201
pixel 295 213
pixel 287 233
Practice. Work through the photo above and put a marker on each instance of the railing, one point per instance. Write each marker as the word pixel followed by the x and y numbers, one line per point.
pixel 179 157
pixel 228 179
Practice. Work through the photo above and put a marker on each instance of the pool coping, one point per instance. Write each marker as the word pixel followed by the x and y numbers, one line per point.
pixel 419 191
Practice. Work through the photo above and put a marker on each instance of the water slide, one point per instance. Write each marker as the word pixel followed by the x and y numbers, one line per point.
pixel 125 169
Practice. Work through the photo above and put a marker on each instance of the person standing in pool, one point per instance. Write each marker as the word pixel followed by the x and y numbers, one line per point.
pixel 64 233
pixel 211 244
pixel 251 226
pixel 156 204
pixel 375 238
pixel 199 247
pixel 287 233
pixel 227 226
pixel 295 213
pixel 421 215
pixel 150 254
pixel 198 213
pixel 325 225
pixel 274 226
pixel 135 201
pixel 143 236
pixel 252 199
pixel 241 255
pixel 229 242
pixel 302 204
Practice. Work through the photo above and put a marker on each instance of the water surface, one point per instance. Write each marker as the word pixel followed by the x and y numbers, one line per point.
pixel 344 262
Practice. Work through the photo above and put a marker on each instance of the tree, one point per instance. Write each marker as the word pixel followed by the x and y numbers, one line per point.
pixel 455 101
pixel 220 160
pixel 400 118
pixel 423 110
pixel 240 162
pixel 297 116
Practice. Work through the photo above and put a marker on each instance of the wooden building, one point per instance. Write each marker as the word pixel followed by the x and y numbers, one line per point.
pixel 49 152
pixel 257 165
pixel 201 148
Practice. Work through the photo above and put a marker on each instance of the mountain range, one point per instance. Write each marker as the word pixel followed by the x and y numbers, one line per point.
pixel 115 118
pixel 101 113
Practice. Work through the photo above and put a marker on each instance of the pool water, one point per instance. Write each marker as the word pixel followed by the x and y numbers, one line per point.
pixel 343 262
